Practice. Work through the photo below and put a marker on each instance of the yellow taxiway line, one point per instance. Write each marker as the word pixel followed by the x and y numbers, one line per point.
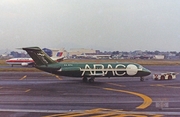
pixel 147 100
pixel 167 85
pixel 28 90
pixel 100 112
pixel 23 77
pixel 117 85
pixel 58 77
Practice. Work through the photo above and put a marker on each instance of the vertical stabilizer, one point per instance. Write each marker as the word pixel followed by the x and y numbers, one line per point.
pixel 39 56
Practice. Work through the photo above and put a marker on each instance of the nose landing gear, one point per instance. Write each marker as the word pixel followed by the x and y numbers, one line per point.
pixel 85 79
pixel 91 80
pixel 141 79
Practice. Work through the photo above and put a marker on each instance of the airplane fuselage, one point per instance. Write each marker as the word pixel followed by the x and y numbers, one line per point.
pixel 45 63
pixel 20 61
pixel 96 69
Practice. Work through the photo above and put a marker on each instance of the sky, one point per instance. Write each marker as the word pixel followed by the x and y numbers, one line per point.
pixel 107 25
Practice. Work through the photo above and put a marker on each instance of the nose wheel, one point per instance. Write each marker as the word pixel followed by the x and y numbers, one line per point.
pixel 85 79
pixel 91 80
pixel 141 79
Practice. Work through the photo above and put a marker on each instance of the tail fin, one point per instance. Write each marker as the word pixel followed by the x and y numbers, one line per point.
pixel 39 56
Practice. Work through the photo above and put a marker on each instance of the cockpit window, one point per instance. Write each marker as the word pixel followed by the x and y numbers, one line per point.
pixel 140 67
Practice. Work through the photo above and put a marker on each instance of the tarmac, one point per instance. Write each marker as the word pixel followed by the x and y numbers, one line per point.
pixel 39 94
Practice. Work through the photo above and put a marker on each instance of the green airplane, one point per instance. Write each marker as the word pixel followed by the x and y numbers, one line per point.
pixel 88 71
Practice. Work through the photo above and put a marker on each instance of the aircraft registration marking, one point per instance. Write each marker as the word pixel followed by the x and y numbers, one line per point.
pixel 68 65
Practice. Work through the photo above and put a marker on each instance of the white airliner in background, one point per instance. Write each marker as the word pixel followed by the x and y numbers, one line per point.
pixel 20 61
pixel 29 61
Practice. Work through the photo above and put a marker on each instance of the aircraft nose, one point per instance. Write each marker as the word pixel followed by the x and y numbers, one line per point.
pixel 146 72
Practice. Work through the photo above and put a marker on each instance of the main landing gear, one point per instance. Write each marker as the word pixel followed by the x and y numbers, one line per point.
pixel 91 80
pixel 85 79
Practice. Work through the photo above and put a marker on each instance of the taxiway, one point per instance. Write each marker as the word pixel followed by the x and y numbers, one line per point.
pixel 38 94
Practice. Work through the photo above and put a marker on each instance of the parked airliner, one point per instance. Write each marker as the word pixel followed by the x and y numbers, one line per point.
pixel 29 61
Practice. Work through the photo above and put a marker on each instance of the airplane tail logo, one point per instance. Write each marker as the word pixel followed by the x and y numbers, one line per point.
pixel 39 56
pixel 59 54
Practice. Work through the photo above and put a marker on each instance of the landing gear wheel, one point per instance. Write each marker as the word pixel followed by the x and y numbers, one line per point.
pixel 91 80
pixel 141 79
pixel 169 77
pixel 162 77
pixel 85 79
pixel 156 79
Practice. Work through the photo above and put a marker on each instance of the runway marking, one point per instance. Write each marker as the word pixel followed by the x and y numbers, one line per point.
pixel 77 114
pixel 147 100
pixel 167 85
pixel 86 112
pixel 58 77
pixel 32 111
pixel 23 77
pixel 28 90
pixel 116 85
pixel 136 115
pixel 100 112
pixel 105 115
pixel 48 74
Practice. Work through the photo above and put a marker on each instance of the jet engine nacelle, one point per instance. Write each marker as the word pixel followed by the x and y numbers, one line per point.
pixel 24 64
pixel 70 69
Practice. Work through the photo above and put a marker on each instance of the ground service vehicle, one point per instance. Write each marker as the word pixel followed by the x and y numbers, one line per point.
pixel 165 76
